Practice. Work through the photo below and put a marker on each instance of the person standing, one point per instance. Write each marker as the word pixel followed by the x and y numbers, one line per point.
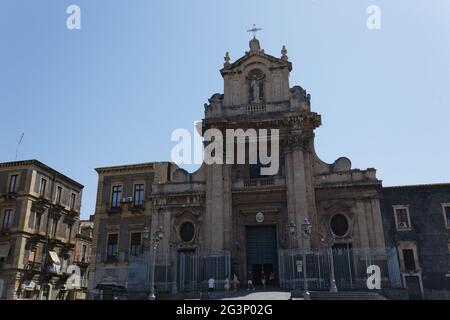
pixel 263 279
pixel 235 282
pixel 211 283
pixel 227 286
pixel 250 283
pixel 272 278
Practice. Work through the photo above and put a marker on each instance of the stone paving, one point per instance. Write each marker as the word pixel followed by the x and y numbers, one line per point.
pixel 268 294
pixel 261 295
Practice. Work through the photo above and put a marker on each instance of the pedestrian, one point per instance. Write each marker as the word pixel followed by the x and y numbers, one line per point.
pixel 250 284
pixel 235 282
pixel 227 286
pixel 263 279
pixel 211 283
pixel 272 278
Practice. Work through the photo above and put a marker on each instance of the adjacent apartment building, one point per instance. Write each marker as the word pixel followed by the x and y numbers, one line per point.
pixel 416 220
pixel 122 221
pixel 82 258
pixel 39 215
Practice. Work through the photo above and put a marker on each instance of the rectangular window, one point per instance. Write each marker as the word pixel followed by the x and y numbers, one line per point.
pixel 54 227
pixel 7 219
pixel 402 218
pixel 83 253
pixel 32 255
pixel 58 195
pixel 112 247
pixel 408 258
pixel 37 222
pixel 116 196
pixel 73 198
pixel 42 187
pixel 69 232
pixel 135 244
pixel 13 183
pixel 138 195
pixel 447 215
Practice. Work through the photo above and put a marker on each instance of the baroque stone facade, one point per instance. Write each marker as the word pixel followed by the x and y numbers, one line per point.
pixel 231 208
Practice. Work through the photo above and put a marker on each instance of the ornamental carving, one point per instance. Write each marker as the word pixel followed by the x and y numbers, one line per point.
pixel 303 142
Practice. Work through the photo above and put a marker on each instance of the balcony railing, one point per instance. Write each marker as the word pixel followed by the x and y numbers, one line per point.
pixel 259 183
pixel 114 209
pixel 121 257
pixel 54 268
pixel 136 208
pixel 80 259
pixel 9 195
pixel 255 108
pixel 6 230
pixel 33 266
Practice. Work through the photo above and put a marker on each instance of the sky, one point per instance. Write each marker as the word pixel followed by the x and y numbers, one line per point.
pixel 112 92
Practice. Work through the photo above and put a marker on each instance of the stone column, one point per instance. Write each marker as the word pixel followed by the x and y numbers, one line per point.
pixel 218 207
pixel 362 224
pixel 301 205
pixel 377 223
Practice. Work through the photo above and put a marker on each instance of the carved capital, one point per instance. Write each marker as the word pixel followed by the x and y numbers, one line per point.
pixel 303 142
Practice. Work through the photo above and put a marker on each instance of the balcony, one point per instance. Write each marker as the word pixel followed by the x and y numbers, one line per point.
pixel 82 261
pixel 135 208
pixel 118 258
pixel 260 183
pixel 54 268
pixel 9 196
pixel 111 259
pixel 33 267
pixel 40 205
pixel 114 209
pixel 248 109
pixel 5 231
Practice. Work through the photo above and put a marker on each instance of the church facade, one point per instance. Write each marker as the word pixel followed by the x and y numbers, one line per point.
pixel 307 224
pixel 231 213
pixel 235 204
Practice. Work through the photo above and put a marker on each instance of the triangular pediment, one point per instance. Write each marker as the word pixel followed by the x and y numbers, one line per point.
pixel 255 55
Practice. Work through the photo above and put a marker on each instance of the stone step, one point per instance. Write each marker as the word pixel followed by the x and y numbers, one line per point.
pixel 346 295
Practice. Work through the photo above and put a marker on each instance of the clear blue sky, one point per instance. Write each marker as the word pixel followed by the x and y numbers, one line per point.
pixel 112 92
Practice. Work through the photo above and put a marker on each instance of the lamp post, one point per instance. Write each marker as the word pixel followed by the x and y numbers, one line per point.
pixel 292 230
pixel 157 236
pixel 306 229
pixel 329 240
pixel 146 237
pixel 174 244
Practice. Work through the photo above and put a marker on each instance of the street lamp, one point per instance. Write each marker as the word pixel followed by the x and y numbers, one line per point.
pixel 174 244
pixel 306 229
pixel 157 236
pixel 329 240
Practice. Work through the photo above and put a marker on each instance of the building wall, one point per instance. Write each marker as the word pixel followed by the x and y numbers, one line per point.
pixel 428 234
pixel 23 266
pixel 126 220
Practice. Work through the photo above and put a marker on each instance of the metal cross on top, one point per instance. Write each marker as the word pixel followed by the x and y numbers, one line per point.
pixel 254 30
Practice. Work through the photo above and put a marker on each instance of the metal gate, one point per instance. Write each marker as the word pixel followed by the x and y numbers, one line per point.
pixel 350 268
pixel 195 269
pixel 187 270
pixel 216 265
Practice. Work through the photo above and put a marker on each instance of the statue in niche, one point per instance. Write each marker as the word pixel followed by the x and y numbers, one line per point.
pixel 256 86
